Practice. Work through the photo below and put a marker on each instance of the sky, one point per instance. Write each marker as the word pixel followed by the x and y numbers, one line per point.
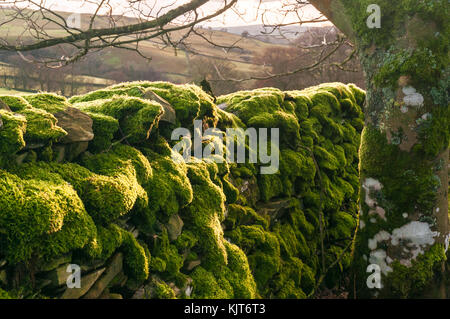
pixel 246 12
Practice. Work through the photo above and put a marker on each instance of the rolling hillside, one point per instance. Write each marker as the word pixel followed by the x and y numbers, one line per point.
pixel 172 64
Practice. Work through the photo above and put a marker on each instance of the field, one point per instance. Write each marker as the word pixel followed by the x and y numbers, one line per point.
pixel 4 91
pixel 173 64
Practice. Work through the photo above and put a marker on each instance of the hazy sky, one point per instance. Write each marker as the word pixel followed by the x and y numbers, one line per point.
pixel 247 11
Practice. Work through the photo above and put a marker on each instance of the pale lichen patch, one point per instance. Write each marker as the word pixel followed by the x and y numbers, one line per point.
pixel 371 184
pixel 412 98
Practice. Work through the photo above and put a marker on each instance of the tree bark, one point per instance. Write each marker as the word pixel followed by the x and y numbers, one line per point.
pixel 403 220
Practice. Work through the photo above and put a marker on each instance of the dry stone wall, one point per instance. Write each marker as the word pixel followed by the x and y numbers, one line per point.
pixel 94 181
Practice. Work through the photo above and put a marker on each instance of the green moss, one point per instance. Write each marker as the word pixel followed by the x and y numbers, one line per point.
pixel 107 241
pixel 4 294
pixel 205 213
pixel 168 261
pixel 228 120
pixel 41 126
pixel 12 132
pixel 409 281
pixel 241 215
pixel 342 226
pixel 393 16
pixel 263 252
pixel 104 128
pixel 434 133
pixel 326 159
pixel 265 109
pixel 169 189
pixel 270 253
pixel 238 273
pixel 15 103
pixel 206 286
pixel 41 216
pixel 112 238
pixel 270 186
pixel 136 116
pixel 408 182
pixel 296 167
pixel 158 265
pixel 186 240
pixel 188 100
pixel 163 291
pixel 359 94
pixel 49 102
pixel 107 94
pixel 110 187
pixel 423 65
pixel 135 262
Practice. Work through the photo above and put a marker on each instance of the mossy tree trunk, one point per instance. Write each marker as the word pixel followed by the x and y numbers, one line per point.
pixel 403 222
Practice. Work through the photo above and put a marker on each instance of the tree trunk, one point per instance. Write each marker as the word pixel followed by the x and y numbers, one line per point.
pixel 403 230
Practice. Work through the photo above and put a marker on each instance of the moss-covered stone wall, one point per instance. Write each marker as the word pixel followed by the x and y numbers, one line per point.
pixel 106 191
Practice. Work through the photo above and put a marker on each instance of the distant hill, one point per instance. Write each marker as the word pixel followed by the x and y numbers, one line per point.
pixel 233 56
pixel 166 62
pixel 282 35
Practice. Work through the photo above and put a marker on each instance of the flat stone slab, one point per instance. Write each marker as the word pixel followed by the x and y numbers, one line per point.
pixel 87 282
pixel 114 268
pixel 169 112
pixel 76 123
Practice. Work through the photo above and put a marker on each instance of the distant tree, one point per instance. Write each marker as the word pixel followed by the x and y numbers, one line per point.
pixel 283 60
pixel 210 69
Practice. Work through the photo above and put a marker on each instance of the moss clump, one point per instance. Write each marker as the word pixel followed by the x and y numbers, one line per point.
pixel 108 183
pixel 41 216
pixel 169 189
pixel 238 273
pixel 136 116
pixel 111 238
pixel 186 241
pixel 4 294
pixel 136 262
pixel 168 261
pixel 104 128
pixel 12 133
pixel 233 281
pixel 49 102
pixel 241 215
pixel 107 241
pixel 263 252
pixel 41 126
pixel 410 281
pixel 206 286
pixel 15 103
pixel 163 291
pixel 189 101
pixel 116 190
pixel 265 108
pixel 205 213
pixel 30 126
pixel 107 94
